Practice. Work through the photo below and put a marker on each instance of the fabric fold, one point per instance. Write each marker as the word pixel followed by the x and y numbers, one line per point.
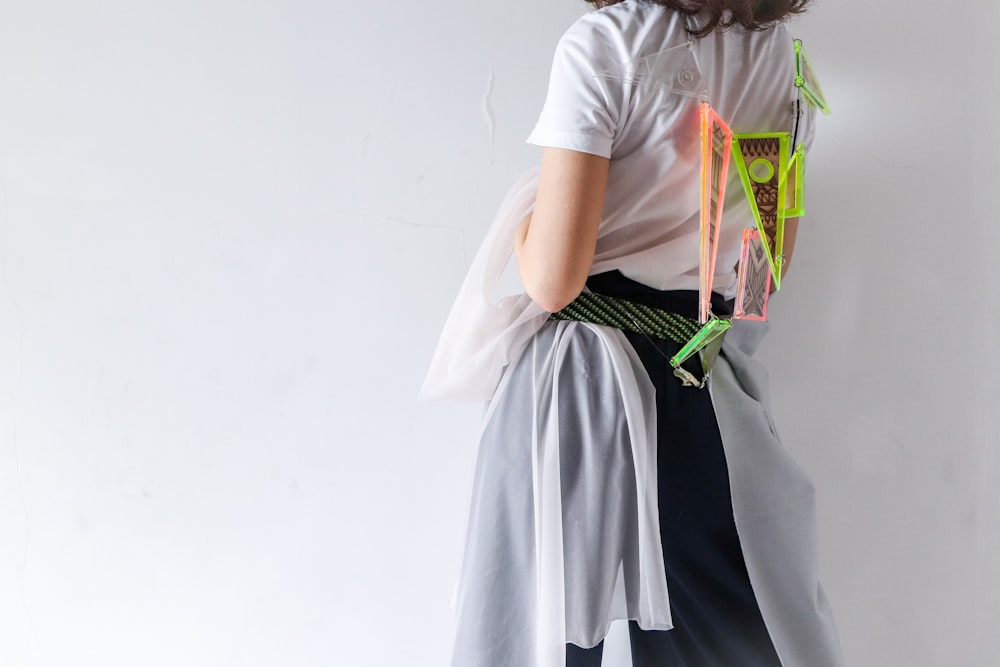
pixel 565 539
pixel 483 333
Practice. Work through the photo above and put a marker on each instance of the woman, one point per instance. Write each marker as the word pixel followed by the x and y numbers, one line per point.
pixel 606 489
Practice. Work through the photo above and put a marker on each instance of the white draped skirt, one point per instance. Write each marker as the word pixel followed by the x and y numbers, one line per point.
pixel 563 533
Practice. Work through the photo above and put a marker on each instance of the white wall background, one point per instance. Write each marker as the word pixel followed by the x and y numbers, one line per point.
pixel 229 235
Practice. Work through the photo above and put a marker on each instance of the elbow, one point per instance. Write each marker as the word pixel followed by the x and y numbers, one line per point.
pixel 551 303
pixel 553 296
pixel 551 279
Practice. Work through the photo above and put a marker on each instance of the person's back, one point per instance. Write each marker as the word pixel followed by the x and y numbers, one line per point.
pixel 651 133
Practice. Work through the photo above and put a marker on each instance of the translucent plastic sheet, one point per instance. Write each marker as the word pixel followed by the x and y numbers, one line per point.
pixel 794 198
pixel 806 80
pixel 716 144
pixel 711 331
pixel 754 279
pixel 674 69
pixel 762 161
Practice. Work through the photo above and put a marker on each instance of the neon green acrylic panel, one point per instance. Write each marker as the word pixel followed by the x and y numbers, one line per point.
pixel 806 80
pixel 795 180
pixel 712 330
pixel 762 161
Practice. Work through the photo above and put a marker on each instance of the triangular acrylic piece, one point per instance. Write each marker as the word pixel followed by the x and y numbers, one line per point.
pixel 754 281
pixel 762 161
pixel 806 80
pixel 795 178
pixel 708 333
pixel 674 69
pixel 716 143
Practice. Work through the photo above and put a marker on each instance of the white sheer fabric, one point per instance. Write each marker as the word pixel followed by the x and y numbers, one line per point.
pixel 483 334
pixel 579 580
pixel 563 535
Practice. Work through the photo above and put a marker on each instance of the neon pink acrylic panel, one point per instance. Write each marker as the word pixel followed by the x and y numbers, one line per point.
pixel 716 144
pixel 754 279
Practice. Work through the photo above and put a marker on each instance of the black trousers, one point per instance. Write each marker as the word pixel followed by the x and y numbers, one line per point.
pixel 717 622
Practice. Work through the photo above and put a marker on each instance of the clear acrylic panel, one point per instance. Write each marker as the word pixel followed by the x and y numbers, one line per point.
pixel 754 282
pixel 806 80
pixel 674 69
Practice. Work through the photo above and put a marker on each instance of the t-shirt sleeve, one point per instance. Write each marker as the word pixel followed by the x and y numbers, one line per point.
pixel 581 110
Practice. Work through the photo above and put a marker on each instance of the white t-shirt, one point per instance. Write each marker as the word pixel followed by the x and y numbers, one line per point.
pixel 652 209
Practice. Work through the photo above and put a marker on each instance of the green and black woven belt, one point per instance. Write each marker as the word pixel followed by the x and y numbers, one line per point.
pixel 655 323
pixel 629 316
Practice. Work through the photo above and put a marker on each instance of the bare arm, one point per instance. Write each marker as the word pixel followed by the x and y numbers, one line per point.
pixel 555 244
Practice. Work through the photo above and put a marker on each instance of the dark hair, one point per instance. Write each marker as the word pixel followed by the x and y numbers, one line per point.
pixel 751 14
